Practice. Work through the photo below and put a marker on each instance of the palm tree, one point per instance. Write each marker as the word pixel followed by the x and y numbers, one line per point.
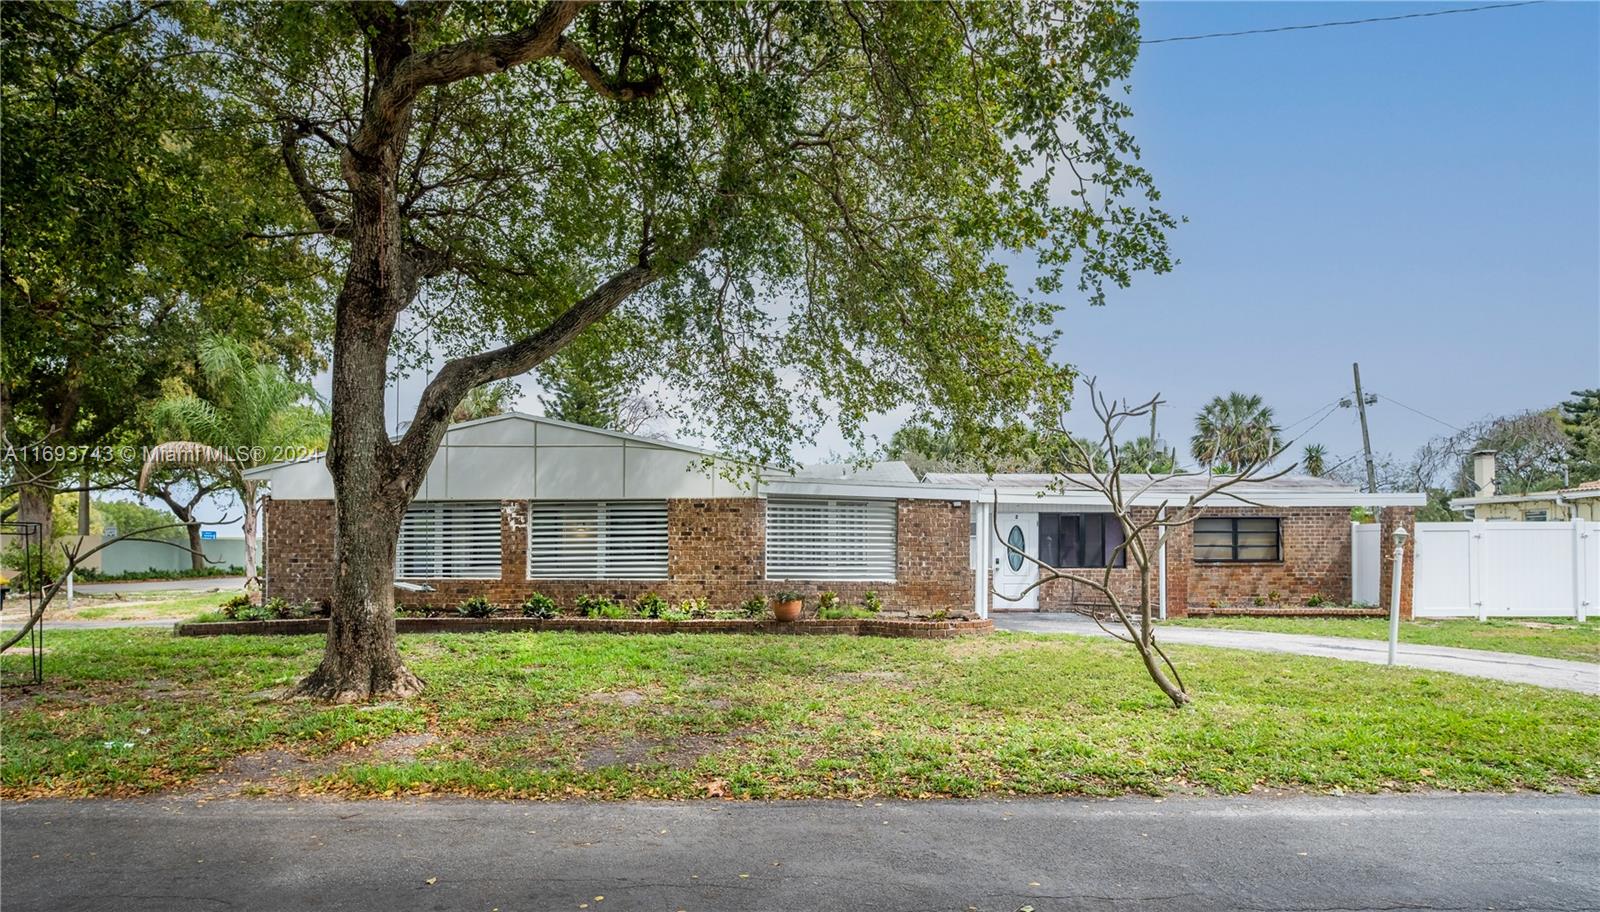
pixel 1315 460
pixel 1141 455
pixel 247 413
pixel 1234 432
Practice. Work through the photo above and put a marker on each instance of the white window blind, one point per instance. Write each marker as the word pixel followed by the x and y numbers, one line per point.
pixel 440 540
pixel 610 540
pixel 831 539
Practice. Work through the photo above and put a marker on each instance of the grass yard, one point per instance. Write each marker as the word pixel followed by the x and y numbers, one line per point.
pixel 175 605
pixel 1556 638
pixel 132 711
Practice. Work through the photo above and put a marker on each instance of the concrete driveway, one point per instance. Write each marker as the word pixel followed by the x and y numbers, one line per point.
pixel 1388 852
pixel 1582 677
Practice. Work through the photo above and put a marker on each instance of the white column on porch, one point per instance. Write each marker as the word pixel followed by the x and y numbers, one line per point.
pixel 980 588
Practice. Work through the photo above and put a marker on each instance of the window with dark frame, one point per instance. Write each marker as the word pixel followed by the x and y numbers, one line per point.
pixel 1080 540
pixel 1237 539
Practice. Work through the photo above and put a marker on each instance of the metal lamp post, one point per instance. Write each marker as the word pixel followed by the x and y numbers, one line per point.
pixel 1396 579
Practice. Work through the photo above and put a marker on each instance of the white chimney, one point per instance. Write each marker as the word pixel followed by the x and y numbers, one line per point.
pixel 1483 473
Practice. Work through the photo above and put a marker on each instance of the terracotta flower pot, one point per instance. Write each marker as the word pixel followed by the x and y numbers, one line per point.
pixel 787 611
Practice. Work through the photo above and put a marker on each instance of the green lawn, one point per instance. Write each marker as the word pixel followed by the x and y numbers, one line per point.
pixel 548 715
pixel 179 606
pixel 1558 638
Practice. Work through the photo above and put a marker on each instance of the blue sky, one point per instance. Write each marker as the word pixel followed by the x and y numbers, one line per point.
pixel 1422 196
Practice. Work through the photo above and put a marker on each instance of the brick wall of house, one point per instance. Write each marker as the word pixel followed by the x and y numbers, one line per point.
pixel 716 550
pixel 298 535
pixel 1316 561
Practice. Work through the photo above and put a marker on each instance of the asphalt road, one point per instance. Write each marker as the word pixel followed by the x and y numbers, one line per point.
pixel 1298 853
pixel 1583 677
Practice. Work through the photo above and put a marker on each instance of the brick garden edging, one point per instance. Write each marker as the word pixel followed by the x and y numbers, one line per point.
pixel 937 630
pixel 1296 611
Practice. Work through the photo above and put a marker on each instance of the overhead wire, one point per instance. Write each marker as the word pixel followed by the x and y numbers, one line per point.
pixel 1339 22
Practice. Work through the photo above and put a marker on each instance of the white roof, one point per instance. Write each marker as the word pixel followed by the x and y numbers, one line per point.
pixel 517 456
pixel 1174 490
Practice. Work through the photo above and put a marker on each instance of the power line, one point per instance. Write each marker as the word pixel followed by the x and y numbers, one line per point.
pixel 1420 412
pixel 1317 25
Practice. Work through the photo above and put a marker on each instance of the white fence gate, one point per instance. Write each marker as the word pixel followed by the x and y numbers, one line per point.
pixel 1507 569
pixel 1366 556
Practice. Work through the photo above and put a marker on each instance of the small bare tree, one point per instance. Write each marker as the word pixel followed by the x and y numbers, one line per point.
pixel 1145 526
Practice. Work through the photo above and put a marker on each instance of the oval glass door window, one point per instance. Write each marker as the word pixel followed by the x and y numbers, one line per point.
pixel 1018 544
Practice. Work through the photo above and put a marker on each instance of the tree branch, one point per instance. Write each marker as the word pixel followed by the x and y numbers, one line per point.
pixel 615 89
pixel 315 198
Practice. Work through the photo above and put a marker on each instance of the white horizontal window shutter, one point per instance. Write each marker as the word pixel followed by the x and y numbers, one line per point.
pixel 831 539
pixel 447 540
pixel 597 540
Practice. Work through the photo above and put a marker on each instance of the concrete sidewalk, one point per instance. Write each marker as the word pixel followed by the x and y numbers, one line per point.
pixel 1522 851
pixel 1582 677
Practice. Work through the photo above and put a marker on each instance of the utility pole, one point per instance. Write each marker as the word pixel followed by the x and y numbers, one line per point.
pixel 1366 439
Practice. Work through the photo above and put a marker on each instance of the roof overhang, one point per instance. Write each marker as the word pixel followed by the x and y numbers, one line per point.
pixel 1240 498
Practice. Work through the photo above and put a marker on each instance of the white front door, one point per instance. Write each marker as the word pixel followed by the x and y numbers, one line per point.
pixel 1012 574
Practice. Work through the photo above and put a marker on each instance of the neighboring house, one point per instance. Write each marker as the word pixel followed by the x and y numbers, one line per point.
pixel 1580 502
pixel 516 504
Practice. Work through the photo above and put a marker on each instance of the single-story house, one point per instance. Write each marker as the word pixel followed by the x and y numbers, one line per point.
pixel 1578 502
pixel 517 504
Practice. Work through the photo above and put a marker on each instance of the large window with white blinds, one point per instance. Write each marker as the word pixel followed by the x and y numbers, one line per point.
pixel 816 539
pixel 598 540
pixel 449 540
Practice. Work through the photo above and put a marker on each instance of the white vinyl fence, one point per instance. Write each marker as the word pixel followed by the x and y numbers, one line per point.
pixel 1366 556
pixel 1507 569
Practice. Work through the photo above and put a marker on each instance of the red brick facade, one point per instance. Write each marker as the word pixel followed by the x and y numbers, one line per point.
pixel 716 550
pixel 1315 562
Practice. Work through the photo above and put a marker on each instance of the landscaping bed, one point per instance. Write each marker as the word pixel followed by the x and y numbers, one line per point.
pixel 885 627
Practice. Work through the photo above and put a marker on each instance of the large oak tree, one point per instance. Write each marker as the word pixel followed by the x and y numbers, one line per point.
pixel 796 212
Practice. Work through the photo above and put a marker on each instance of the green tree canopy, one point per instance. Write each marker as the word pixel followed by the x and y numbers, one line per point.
pixel 137 216
pixel 1580 419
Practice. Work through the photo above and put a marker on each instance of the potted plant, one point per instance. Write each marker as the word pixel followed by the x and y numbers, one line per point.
pixel 786 605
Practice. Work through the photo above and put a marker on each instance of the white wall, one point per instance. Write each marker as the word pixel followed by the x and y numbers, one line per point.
pixel 1507 569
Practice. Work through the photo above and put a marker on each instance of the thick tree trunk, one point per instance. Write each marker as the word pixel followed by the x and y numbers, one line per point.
pixel 34 504
pixel 371 492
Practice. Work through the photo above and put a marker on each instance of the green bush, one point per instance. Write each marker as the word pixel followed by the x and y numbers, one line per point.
pixel 650 605
pixel 233 605
pixel 37 574
pixel 871 601
pixel 253 612
pixel 1315 601
pixel 89 575
pixel 475 607
pixel 827 601
pixel 539 605
pixel 838 612
pixel 695 608
pixel 754 607
pixel 600 606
